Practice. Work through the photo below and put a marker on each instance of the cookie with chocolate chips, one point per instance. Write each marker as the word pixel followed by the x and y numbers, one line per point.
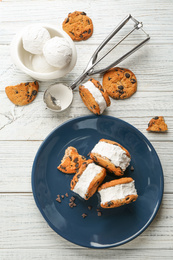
pixel 22 94
pixel 157 124
pixel 72 161
pixel 120 83
pixel 78 26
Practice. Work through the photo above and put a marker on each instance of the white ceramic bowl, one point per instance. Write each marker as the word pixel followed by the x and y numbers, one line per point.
pixel 22 59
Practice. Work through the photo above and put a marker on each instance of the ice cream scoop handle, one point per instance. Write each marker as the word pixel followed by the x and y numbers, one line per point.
pixel 79 80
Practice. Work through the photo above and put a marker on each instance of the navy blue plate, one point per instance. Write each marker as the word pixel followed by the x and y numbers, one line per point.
pixel 115 226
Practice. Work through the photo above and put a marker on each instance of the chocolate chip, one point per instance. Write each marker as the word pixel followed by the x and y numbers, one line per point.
pixel 83 13
pixel 127 198
pixel 110 203
pixel 90 207
pixel 26 83
pixel 34 92
pixel 88 21
pixel 127 75
pixel 156 117
pixel 85 32
pixel 101 89
pixel 84 163
pixel 72 33
pixel 133 81
pixel 95 158
pixel 67 20
pixel 109 78
pixel 89 31
pixel 16 92
pixel 62 167
pixel 84 215
pixel 71 204
pixel 35 82
pixel 81 36
pixel 99 213
pixel 77 165
pixel 94 106
pixel 121 87
pixel 132 168
pixel 70 158
pixel 76 160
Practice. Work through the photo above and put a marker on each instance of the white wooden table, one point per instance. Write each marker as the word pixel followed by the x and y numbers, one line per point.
pixel 24 234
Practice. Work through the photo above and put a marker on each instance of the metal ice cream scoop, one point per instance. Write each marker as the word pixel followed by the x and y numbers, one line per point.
pixel 59 97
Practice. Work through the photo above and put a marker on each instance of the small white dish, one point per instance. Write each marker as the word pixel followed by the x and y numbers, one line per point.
pixel 23 59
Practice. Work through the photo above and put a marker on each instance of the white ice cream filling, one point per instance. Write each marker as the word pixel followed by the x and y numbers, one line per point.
pixel 96 94
pixel 117 192
pixel 112 152
pixel 85 179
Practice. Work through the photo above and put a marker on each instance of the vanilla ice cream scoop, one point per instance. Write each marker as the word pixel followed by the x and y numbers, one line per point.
pixel 39 64
pixel 57 52
pixel 34 38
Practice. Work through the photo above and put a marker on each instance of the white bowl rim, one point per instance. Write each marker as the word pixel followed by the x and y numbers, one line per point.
pixel 38 75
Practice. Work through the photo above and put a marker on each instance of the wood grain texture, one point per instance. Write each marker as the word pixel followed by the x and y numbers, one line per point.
pixel 24 234
pixel 34 121
pixel 85 254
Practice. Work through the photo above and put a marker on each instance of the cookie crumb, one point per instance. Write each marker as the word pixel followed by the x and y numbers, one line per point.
pixel 58 199
pixel 62 196
pixel 132 168
pixel 90 207
pixel 84 215
pixel 66 194
pixel 99 213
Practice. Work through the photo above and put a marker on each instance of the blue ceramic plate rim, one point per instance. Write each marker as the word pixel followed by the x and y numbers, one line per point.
pixel 49 222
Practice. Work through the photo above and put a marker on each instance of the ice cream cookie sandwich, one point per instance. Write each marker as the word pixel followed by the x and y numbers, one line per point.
pixel 117 193
pixel 87 180
pixel 111 155
pixel 94 96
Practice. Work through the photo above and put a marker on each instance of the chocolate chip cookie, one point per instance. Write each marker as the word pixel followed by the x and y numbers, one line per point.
pixel 22 94
pixel 120 83
pixel 78 26
pixel 157 124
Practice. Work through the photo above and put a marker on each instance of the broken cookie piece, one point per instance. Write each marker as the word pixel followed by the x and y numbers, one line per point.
pixel 22 94
pixel 157 124
pixel 72 161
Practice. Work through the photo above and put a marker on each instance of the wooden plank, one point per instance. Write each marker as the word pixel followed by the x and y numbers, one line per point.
pixel 23 227
pixel 159 27
pixel 35 122
pixel 85 254
pixel 146 64
pixel 16 159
